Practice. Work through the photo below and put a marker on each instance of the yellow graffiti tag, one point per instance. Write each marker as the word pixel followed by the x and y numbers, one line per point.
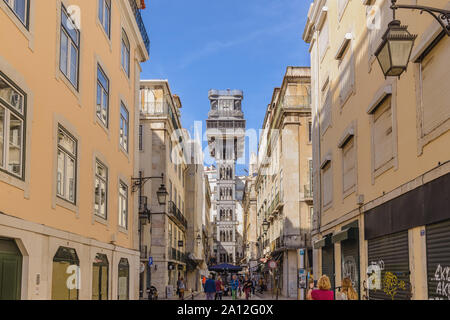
pixel 391 284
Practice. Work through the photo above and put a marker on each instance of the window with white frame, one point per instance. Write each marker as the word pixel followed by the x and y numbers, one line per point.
pixel 124 123
pixel 66 166
pixel 327 186
pixel 435 93
pixel 383 140
pixel 102 96
pixel 20 9
pixel 125 53
pixel 104 15
pixel 123 205
pixel 349 164
pixel 346 73
pixel 323 40
pixel 101 189
pixel 69 48
pixel 12 128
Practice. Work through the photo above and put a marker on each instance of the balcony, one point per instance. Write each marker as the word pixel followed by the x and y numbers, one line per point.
pixel 308 193
pixel 144 253
pixel 140 23
pixel 176 213
pixel 177 255
pixel 156 108
pixel 222 125
pixel 225 114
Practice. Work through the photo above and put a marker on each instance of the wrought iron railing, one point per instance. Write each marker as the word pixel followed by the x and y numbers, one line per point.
pixel 155 108
pixel 308 192
pixel 176 213
pixel 140 24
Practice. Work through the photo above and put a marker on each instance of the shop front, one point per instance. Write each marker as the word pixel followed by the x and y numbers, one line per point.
pixel 327 252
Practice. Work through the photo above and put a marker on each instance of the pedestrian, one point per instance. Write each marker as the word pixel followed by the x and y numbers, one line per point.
pixel 210 288
pixel 253 285
pixel 324 292
pixel 234 284
pixel 311 286
pixel 347 291
pixel 247 287
pixel 241 281
pixel 219 288
pixel 260 284
pixel 203 282
pixel 181 286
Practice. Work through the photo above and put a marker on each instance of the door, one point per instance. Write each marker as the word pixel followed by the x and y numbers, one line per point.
pixel 10 270
pixel 389 264
pixel 438 261
pixel 328 263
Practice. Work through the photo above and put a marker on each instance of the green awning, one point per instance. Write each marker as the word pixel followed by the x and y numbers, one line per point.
pixel 348 234
pixel 324 242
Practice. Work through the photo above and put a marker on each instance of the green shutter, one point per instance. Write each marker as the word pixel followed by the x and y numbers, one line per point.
pixel 10 276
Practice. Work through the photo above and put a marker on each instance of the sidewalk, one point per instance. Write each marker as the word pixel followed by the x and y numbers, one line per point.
pixel 269 296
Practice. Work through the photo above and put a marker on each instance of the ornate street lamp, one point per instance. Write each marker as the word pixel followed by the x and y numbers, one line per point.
pixel 395 51
pixel 162 194
pixel 265 226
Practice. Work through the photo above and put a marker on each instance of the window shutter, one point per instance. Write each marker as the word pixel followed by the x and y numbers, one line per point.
pixel 349 158
pixel 341 7
pixel 327 185
pixel 323 40
pixel 347 76
pixel 383 138
pixel 435 90
pixel 325 114
pixel 379 16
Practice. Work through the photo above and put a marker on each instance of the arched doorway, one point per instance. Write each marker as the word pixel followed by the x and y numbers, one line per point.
pixel 10 270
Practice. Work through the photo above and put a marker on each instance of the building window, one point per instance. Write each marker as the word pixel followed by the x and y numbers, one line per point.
pixel 327 184
pixel 141 138
pixel 125 53
pixel 20 9
pixel 65 274
pixel 123 292
pixel 349 165
pixel 12 128
pixel 102 96
pixel 104 15
pixel 70 47
pixel 383 142
pixel 101 189
pixel 342 4
pixel 310 131
pixel 323 40
pixel 123 205
pixel 66 166
pixel 100 277
pixel 123 127
pixel 434 111
pixel 346 75
pixel 325 114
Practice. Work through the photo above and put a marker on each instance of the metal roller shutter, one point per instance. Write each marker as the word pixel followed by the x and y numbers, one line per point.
pixel 350 262
pixel 328 263
pixel 438 261
pixel 391 254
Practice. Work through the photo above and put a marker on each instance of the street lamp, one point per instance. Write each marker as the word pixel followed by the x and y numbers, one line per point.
pixel 265 226
pixel 395 51
pixel 162 194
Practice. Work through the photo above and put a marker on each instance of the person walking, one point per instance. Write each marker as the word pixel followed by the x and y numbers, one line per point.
pixel 219 289
pixel 234 284
pixel 247 287
pixel 203 282
pixel 311 287
pixel 181 287
pixel 324 292
pixel 253 285
pixel 347 291
pixel 210 288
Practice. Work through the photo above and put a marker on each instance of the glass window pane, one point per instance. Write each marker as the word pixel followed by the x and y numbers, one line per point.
pixel 100 10
pixel 69 26
pixel 15 145
pixel 102 79
pixel 105 107
pixel 73 65
pixel 11 96
pixel 107 19
pixel 65 141
pixel 60 174
pixel 20 9
pixel 2 134
pixel 63 54
pixel 70 182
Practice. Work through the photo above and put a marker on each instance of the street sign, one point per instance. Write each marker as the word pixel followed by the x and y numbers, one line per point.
pixel 302 279
pixel 150 261
pixel 272 264
pixel 302 252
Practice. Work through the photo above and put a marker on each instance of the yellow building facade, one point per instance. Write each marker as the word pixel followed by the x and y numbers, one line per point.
pixel 380 150
pixel 69 83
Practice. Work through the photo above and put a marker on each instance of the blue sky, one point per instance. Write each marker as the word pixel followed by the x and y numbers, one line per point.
pixel 200 45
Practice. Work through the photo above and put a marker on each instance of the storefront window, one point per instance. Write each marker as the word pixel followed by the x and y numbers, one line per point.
pixel 66 275
pixel 124 280
pixel 100 277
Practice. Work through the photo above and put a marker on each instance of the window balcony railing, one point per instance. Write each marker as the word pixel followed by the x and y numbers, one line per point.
pixel 155 108
pixel 140 23
pixel 177 255
pixel 176 213
pixel 309 194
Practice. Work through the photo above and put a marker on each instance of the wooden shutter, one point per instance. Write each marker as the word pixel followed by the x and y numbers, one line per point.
pixel 323 40
pixel 349 159
pixel 435 88
pixel 325 114
pixel 380 15
pixel 341 6
pixel 383 137
pixel 327 184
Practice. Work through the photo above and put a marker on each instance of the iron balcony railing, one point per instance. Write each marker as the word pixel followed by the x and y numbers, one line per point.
pixel 308 192
pixel 177 255
pixel 141 25
pixel 176 213
pixel 155 108
pixel 225 113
